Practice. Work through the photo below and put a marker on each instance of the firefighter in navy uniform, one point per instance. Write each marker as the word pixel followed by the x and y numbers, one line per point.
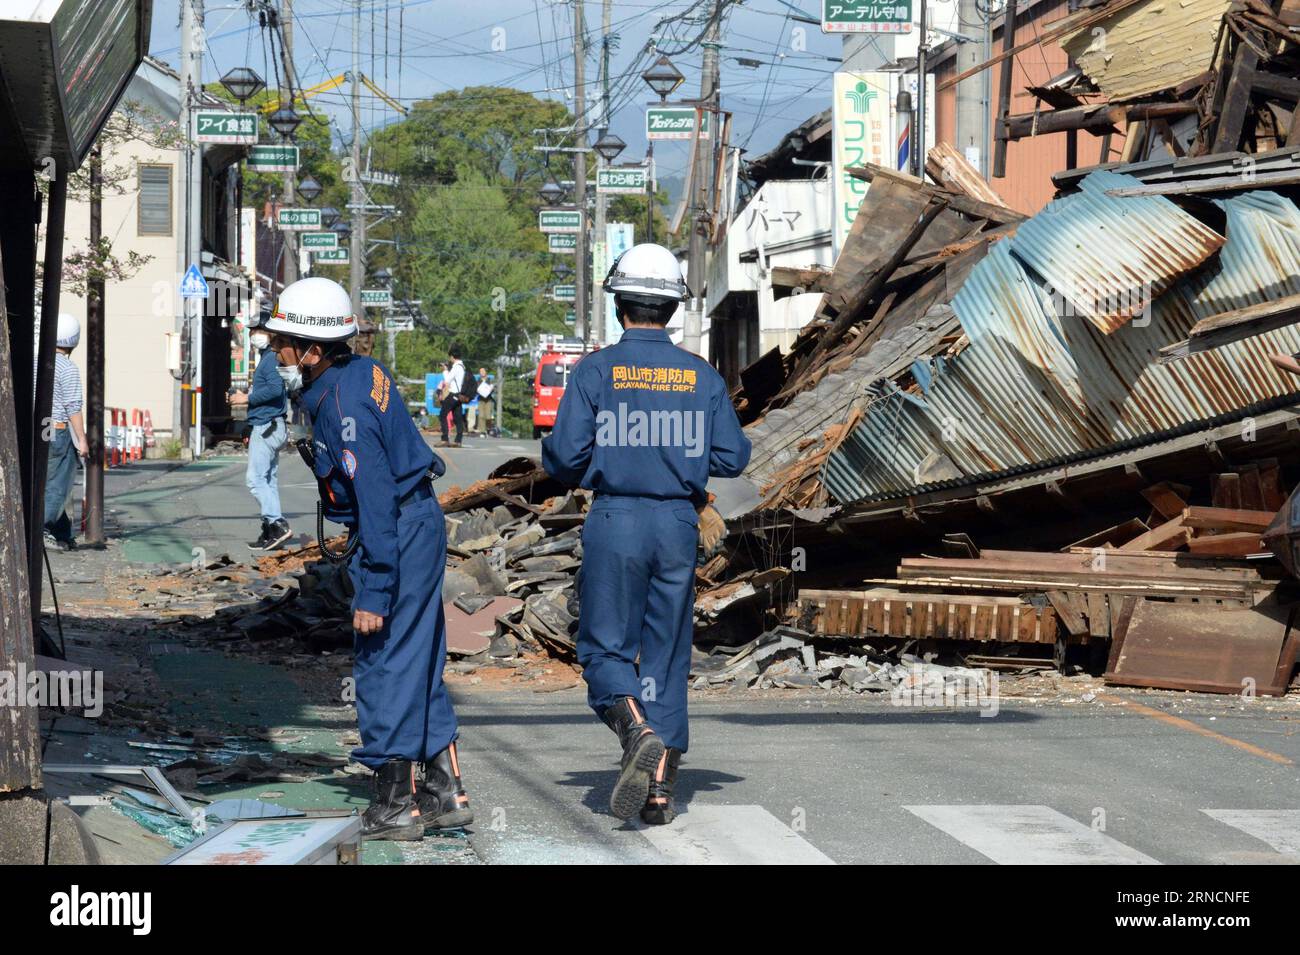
pixel 373 470
pixel 643 424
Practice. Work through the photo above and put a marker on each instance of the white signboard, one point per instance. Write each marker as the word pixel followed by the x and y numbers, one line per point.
pixel 864 118
pixel 619 238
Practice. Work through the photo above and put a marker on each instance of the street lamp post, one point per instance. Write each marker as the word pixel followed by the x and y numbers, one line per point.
pixel 663 78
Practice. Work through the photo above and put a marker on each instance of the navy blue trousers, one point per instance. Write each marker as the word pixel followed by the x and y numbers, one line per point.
pixel 636 597
pixel 403 708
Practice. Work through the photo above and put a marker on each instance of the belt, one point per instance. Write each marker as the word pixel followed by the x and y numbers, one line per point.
pixel 59 425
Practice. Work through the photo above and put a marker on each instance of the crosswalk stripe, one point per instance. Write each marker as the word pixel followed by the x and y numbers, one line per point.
pixel 732 835
pixel 1029 835
pixel 1280 828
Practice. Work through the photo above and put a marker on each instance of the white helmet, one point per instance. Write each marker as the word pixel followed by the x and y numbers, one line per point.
pixel 317 309
pixel 69 331
pixel 647 273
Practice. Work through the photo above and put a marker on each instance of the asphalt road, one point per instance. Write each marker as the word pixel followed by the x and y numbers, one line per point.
pixel 825 779
pixel 817 777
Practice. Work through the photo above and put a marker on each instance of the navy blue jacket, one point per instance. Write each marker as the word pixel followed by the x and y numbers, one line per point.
pixel 370 456
pixel 266 397
pixel 645 418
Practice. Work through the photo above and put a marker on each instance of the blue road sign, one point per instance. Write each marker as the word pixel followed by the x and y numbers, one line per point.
pixel 194 285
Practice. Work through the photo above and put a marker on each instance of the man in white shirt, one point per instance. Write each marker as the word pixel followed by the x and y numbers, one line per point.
pixel 451 403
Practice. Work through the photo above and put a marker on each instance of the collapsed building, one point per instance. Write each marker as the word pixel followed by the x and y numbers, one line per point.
pixel 1062 436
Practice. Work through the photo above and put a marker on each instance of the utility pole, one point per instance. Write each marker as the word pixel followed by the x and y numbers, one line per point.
pixel 919 161
pixel 582 326
pixel 597 298
pixel 286 101
pixel 357 269
pixel 189 406
pixel 95 364
pixel 972 108
pixel 704 168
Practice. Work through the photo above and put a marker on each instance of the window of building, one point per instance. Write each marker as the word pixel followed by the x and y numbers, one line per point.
pixel 155 200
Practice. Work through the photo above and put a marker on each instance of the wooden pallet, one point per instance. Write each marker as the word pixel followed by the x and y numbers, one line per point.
pixel 888 612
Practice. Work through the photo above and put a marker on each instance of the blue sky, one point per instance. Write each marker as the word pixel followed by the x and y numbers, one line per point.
pixel 421 47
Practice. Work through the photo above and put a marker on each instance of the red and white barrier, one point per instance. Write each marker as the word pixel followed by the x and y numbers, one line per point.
pixel 125 438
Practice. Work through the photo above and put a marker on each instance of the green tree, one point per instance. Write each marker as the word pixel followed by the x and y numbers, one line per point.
pixel 480 271
pixel 487 130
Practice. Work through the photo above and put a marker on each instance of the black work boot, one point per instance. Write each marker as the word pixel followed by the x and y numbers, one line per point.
pixel 393 813
pixel 442 799
pixel 261 538
pixel 658 809
pixel 642 750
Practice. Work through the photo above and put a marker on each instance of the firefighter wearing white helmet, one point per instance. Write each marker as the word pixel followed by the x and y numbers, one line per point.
pixel 646 274
pixel 373 471
pixel 68 434
pixel 644 424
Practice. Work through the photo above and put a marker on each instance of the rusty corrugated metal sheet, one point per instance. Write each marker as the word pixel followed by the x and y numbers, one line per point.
pixel 1109 260
pixel 1148 47
pixel 1035 388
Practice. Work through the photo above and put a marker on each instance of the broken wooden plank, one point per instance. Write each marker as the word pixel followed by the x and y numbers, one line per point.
pixel 1228 545
pixel 1227 519
pixel 1113 536
pixel 1227 327
pixel 1168 499
pixel 1069 612
pixel 951 169
pixel 1170 535
pixel 971 207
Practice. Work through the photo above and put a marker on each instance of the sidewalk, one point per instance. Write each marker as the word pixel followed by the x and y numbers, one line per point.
pixel 175 688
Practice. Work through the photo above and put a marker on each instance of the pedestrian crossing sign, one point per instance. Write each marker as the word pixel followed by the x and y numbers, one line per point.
pixel 194 285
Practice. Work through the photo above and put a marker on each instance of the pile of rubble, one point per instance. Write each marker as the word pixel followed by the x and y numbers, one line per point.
pixel 786 658
pixel 1095 379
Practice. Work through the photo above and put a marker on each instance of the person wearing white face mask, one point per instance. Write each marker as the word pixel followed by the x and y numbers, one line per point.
pixel 267 432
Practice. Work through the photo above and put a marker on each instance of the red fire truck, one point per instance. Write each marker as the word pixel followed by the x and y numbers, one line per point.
pixel 554 365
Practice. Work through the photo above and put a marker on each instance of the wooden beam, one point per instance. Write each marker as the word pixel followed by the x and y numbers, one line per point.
pixel 998 215
pixel 1227 519
pixel 1232 115
pixel 1227 327
pixel 1097 118
pixel 1004 89
pixel 1281 87
pixel 1168 536
pixel 1169 500
pixel 953 171
pixel 1227 545
pixel 1068 612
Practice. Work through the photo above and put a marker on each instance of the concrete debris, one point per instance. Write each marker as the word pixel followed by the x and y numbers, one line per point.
pixel 786 658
